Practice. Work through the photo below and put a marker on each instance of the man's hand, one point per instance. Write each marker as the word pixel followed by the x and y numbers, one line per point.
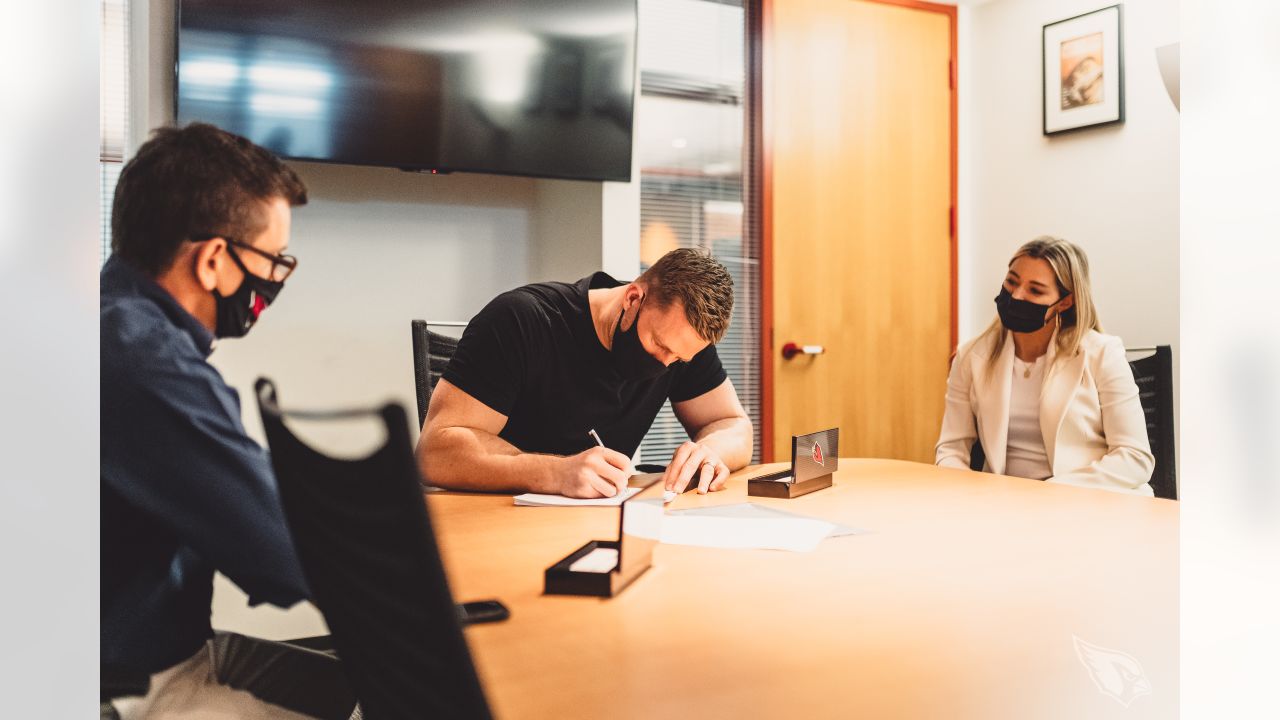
pixel 594 473
pixel 694 462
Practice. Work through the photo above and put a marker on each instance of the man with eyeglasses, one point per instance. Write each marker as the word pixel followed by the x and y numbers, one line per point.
pixel 200 226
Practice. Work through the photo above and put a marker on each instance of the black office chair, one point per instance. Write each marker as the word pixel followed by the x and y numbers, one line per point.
pixel 977 456
pixel 431 354
pixel 114 684
pixel 364 539
pixel 1154 376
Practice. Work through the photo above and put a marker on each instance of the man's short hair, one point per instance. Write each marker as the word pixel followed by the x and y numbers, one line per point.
pixel 700 282
pixel 193 183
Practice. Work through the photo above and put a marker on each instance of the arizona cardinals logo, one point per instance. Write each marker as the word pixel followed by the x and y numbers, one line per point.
pixel 817 454
pixel 1117 674
pixel 258 305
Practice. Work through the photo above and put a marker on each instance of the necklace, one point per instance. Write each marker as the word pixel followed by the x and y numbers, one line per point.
pixel 1026 367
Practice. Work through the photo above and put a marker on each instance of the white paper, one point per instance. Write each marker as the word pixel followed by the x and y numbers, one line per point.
pixel 600 560
pixel 540 500
pixel 765 533
pixel 752 510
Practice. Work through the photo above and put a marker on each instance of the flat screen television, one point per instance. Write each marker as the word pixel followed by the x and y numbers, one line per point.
pixel 522 87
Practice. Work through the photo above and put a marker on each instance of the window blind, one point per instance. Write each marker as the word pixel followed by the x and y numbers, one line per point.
pixel 114 107
pixel 693 155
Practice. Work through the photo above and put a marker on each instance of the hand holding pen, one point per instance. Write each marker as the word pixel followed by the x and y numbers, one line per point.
pixel 593 473
pixel 667 496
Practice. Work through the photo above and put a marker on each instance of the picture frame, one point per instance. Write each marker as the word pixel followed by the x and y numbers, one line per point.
pixel 1082 70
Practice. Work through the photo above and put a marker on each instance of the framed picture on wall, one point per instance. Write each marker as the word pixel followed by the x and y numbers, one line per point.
pixel 1083 71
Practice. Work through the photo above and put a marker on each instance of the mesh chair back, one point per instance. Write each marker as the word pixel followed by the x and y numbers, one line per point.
pixel 977 457
pixel 364 538
pixel 1154 376
pixel 431 354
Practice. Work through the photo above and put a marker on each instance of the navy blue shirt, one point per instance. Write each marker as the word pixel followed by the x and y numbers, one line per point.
pixel 185 491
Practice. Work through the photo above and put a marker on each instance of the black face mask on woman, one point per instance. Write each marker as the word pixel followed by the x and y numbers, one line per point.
pixel 1021 316
pixel 630 358
pixel 237 312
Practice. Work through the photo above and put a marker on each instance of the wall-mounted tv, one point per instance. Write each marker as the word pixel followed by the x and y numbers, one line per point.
pixel 520 87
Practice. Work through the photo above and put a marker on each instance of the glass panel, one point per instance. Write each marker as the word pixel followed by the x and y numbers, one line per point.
pixel 691 122
pixel 113 94
pixel 109 173
pixel 113 72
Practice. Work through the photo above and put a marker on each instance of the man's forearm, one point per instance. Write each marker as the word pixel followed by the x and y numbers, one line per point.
pixel 731 439
pixel 460 458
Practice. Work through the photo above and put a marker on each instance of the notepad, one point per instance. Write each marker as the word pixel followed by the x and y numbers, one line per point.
pixel 541 500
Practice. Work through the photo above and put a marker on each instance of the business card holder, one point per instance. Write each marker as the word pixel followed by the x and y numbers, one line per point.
pixel 814 460
pixel 789 488
pixel 639 524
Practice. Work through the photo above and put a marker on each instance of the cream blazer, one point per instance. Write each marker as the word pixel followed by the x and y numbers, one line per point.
pixel 1095 433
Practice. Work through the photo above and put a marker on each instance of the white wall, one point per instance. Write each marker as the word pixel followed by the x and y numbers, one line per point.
pixel 378 247
pixel 560 207
pixel 1113 190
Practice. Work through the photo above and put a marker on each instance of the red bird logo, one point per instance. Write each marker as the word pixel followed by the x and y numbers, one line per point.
pixel 817 454
pixel 258 305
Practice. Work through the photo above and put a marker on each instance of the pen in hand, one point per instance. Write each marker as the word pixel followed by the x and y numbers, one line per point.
pixel 667 496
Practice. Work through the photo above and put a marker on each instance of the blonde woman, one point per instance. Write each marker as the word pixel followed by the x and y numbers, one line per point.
pixel 1048 394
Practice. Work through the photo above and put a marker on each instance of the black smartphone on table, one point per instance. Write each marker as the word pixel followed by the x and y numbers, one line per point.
pixel 482 611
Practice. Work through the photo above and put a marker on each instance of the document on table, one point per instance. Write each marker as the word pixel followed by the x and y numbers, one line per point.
pixel 540 500
pixel 752 510
pixel 748 526
pixel 737 526
pixel 794 534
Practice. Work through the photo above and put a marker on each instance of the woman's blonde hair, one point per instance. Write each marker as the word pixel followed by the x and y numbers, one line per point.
pixel 1071 268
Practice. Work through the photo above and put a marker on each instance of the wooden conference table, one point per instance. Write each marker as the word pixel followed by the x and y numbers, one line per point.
pixel 963 601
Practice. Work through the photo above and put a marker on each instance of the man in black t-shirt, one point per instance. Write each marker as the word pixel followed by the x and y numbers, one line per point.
pixel 543 365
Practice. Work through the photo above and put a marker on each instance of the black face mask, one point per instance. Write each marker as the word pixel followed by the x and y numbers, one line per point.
pixel 237 312
pixel 1020 316
pixel 630 358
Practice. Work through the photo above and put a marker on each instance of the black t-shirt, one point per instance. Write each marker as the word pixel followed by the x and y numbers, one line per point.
pixel 533 355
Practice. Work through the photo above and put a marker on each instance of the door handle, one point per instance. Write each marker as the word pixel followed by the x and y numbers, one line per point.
pixel 791 350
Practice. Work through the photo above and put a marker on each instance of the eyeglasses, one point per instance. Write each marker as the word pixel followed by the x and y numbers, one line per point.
pixel 282 266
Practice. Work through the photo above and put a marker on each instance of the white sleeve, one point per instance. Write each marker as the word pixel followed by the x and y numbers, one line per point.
pixel 959 428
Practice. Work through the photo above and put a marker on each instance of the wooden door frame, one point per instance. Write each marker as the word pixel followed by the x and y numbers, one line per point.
pixel 759 47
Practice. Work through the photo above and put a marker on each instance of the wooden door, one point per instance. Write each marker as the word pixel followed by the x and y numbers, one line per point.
pixel 858 133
